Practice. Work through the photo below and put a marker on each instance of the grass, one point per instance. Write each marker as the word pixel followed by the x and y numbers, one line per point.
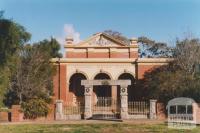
pixel 91 128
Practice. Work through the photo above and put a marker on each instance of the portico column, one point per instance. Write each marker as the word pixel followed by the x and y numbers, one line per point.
pixel 124 102
pixel 88 102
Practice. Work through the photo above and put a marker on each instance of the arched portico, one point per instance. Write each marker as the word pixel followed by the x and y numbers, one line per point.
pixel 103 90
pixel 131 88
pixel 123 94
pixel 76 88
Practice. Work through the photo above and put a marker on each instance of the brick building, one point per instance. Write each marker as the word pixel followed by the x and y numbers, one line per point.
pixel 100 58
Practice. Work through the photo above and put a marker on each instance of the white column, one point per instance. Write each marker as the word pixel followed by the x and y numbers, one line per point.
pixel 59 110
pixel 88 102
pixel 152 114
pixel 124 102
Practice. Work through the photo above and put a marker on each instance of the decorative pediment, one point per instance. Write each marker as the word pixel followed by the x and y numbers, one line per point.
pixel 101 40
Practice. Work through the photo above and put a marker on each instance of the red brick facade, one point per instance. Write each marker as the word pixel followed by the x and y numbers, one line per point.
pixel 143 68
pixel 108 54
pixel 63 91
pixel 56 83
pixel 16 114
pixel 90 57
pixel 4 116
pixel 96 54
pixel 120 55
pixel 76 55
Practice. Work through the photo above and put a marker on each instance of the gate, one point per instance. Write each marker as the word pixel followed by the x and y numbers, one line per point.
pixel 106 108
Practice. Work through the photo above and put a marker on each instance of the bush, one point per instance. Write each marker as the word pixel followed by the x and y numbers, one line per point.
pixel 35 108
pixel 4 110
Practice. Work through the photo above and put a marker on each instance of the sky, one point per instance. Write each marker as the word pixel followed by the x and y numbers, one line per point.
pixel 160 20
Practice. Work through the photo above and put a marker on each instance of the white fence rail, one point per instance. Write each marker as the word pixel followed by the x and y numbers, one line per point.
pixel 181 118
pixel 181 121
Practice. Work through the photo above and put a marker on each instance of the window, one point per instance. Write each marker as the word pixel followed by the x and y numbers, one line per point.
pixel 189 109
pixel 172 110
pixel 181 109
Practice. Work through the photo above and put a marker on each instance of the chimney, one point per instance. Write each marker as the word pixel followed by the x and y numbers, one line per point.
pixel 133 41
pixel 69 40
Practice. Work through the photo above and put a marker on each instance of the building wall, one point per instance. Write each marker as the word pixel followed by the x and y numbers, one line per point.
pixel 90 69
pixel 91 58
pixel 144 65
pixel 107 52
pixel 143 68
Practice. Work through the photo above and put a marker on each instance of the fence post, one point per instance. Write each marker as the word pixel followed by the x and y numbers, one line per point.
pixel 16 115
pixel 124 102
pixel 152 114
pixel 195 109
pixel 59 110
pixel 88 102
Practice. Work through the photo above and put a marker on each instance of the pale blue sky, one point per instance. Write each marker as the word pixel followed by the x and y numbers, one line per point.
pixel 162 20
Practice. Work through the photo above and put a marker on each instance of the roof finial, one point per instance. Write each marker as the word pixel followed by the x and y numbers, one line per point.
pixel 133 41
pixel 69 40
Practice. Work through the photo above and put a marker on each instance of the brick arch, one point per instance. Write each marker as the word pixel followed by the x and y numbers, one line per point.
pixel 81 72
pixel 102 90
pixel 131 89
pixel 75 88
pixel 95 74
pixel 128 72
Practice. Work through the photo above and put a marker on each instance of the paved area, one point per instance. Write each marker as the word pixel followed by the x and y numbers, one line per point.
pixel 139 121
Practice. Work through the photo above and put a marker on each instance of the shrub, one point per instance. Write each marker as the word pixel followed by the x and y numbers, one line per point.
pixel 35 108
pixel 4 110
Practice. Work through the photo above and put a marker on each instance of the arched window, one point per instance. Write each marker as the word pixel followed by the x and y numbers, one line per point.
pixel 103 90
pixel 75 84
pixel 132 93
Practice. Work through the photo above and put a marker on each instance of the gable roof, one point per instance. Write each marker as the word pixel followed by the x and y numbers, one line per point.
pixel 101 34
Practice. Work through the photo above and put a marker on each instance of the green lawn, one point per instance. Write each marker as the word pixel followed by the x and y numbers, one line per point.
pixel 91 128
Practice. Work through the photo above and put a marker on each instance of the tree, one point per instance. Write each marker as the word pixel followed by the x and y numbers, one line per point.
pixel 187 55
pixel 150 48
pixel 147 47
pixel 51 47
pixel 117 35
pixel 25 71
pixel 33 78
pixel 12 37
pixel 179 78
